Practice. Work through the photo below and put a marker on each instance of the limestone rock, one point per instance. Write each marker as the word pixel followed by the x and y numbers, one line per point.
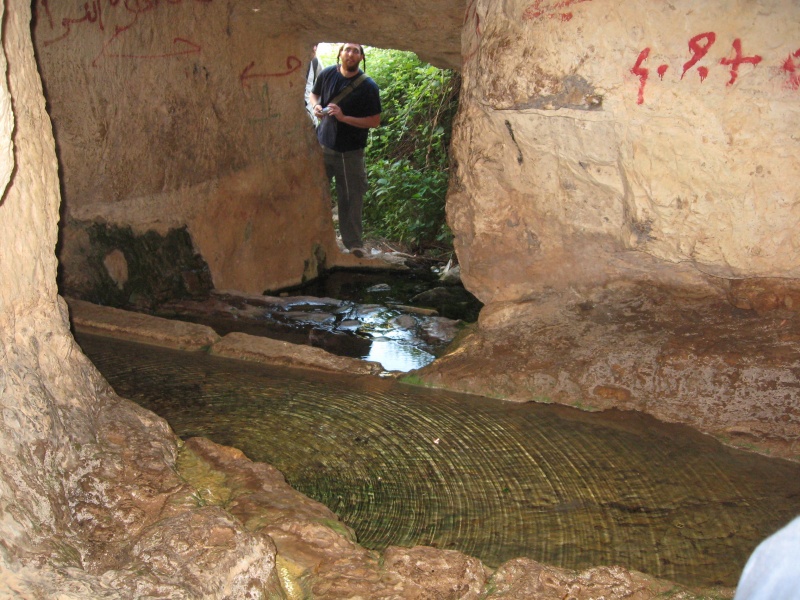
pixel 270 351
pixel 522 579
pixel 593 135
pixel 693 360
pixel 91 504
pixel 190 115
pixel 597 140
pixel 137 327
pixel 436 573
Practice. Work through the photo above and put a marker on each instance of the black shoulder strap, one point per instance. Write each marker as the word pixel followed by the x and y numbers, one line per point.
pixel 350 87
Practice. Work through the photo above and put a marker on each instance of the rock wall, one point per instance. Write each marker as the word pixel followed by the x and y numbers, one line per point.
pixel 624 203
pixel 190 114
pixel 99 499
pixel 91 502
pixel 596 141
pixel 601 140
pixel 186 114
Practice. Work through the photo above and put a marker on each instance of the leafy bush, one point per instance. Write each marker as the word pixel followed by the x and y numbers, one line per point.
pixel 408 156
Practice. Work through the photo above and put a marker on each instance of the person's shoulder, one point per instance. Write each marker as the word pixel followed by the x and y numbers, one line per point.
pixel 371 82
pixel 328 70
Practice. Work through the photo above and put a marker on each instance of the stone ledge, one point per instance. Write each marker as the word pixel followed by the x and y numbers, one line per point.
pixel 146 329
pixel 266 350
pixel 699 361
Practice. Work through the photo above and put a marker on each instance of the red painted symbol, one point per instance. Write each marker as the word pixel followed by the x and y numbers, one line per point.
pixel 117 17
pixel 738 59
pixel 699 47
pixel 699 51
pixel 292 64
pixel 641 73
pixel 182 47
pixel 789 66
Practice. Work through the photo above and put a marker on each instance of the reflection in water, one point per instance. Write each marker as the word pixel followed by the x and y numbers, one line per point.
pixel 394 355
pixel 495 480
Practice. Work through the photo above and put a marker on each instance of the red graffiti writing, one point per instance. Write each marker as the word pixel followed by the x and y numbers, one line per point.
pixel 699 46
pixel 699 51
pixel 182 47
pixel 641 73
pixel 292 64
pixel 46 8
pixel 792 70
pixel 92 13
pixel 548 9
pixel 737 60
pixel 118 17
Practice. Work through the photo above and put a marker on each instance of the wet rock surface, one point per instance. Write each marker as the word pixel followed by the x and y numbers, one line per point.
pixel 725 370
pixel 495 480
pixel 122 268
pixel 400 320
pixel 317 556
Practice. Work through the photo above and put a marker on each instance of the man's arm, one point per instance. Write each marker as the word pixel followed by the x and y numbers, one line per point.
pixel 361 122
pixel 313 100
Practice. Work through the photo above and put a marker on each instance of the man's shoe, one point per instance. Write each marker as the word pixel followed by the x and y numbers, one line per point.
pixel 357 252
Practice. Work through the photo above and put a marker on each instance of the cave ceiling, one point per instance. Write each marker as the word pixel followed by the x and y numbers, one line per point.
pixel 431 29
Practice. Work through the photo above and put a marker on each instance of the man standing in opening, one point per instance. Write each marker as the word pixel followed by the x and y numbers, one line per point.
pixel 348 104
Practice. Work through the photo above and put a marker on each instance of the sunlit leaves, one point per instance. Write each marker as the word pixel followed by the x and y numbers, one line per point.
pixel 408 156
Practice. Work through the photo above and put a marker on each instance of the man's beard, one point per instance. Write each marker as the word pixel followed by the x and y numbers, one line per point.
pixel 349 68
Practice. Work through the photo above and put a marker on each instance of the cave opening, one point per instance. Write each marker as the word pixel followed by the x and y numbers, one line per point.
pixel 117 270
pixel 407 157
pixel 160 270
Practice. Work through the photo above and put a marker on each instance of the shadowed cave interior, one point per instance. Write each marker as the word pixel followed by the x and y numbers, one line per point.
pixel 628 294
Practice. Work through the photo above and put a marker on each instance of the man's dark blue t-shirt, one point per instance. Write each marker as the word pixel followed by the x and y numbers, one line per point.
pixel 363 101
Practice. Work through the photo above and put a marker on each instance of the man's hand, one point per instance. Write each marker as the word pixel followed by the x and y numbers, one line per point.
pixel 313 99
pixel 335 112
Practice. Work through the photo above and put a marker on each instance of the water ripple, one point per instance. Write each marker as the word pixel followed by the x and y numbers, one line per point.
pixel 409 466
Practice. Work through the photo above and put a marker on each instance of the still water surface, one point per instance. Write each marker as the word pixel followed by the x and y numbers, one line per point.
pixel 496 480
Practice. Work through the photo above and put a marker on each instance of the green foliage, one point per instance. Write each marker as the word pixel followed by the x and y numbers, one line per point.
pixel 405 202
pixel 408 156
